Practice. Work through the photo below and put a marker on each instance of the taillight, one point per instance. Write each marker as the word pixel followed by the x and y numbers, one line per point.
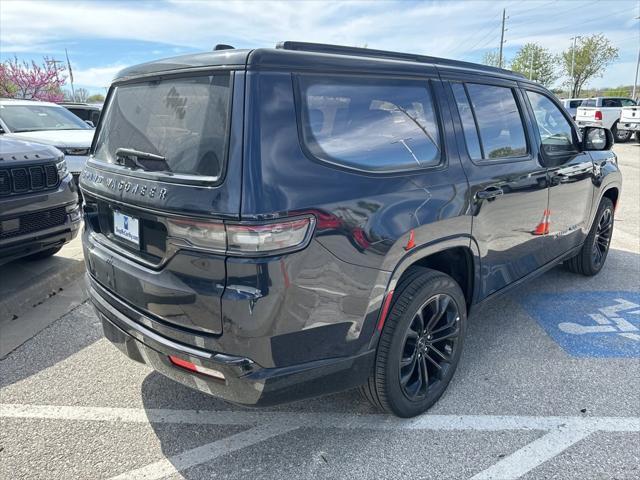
pixel 267 238
pixel 598 115
pixel 233 238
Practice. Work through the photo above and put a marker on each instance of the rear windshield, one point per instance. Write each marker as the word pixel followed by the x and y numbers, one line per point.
pixel 590 102
pixel 176 125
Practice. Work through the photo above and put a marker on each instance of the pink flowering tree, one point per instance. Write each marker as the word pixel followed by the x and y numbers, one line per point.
pixel 31 81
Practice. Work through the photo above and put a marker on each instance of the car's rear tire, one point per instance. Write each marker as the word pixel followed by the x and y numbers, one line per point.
pixel 420 344
pixel 591 257
pixel 620 136
pixel 44 254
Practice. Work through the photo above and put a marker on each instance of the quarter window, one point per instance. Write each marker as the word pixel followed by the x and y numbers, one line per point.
pixel 499 121
pixel 468 122
pixel 556 136
pixel 378 125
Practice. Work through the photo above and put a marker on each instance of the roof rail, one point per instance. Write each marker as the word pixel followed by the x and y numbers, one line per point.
pixel 369 52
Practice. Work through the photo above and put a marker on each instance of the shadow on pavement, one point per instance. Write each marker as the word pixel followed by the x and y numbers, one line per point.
pixel 67 336
pixel 502 318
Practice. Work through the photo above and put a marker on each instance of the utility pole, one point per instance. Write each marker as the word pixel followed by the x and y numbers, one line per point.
pixel 531 64
pixel 504 17
pixel 635 82
pixel 73 92
pixel 573 64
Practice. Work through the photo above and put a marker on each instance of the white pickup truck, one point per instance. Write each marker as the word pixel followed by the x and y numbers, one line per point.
pixel 630 120
pixel 604 112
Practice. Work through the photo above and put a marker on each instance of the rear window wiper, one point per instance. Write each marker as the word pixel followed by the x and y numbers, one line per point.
pixel 131 158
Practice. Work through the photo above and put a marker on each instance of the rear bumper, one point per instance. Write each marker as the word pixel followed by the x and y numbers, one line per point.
pixel 245 382
pixel 632 126
pixel 583 124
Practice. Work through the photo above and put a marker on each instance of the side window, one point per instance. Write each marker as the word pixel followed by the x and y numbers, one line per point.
pixel 468 122
pixel 378 125
pixel 556 136
pixel 611 102
pixel 626 102
pixel 499 121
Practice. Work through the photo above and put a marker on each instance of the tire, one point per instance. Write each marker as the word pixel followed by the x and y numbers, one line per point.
pixel 620 136
pixel 588 262
pixel 394 388
pixel 44 254
pixel 637 135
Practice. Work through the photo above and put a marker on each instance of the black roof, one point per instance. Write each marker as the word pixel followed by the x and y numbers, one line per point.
pixel 301 55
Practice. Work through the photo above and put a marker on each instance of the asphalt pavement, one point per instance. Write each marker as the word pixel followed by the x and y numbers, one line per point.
pixel 548 387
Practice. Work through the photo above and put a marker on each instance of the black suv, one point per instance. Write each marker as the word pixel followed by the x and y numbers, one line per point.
pixel 267 225
pixel 87 112
pixel 39 209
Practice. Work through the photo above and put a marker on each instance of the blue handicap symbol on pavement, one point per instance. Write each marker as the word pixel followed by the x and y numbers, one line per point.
pixel 590 324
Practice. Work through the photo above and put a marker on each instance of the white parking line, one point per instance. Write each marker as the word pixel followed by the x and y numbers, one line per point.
pixel 205 453
pixel 319 420
pixel 563 431
pixel 532 455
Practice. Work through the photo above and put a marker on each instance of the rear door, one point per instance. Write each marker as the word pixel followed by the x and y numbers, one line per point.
pixel 507 183
pixel 571 174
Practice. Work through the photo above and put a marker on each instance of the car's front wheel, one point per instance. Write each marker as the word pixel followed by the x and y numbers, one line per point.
pixel 420 344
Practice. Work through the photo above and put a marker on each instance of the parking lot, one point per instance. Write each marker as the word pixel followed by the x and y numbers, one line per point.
pixel 548 387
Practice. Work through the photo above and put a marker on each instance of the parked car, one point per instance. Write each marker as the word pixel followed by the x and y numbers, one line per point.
pixel 39 209
pixel 604 112
pixel 630 121
pixel 90 113
pixel 571 105
pixel 51 124
pixel 272 224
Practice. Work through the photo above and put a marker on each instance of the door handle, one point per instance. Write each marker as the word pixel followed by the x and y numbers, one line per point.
pixel 490 193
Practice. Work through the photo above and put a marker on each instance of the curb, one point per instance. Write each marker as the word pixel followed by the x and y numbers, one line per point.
pixel 41 290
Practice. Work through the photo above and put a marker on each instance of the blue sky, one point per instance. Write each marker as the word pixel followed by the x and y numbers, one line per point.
pixel 104 36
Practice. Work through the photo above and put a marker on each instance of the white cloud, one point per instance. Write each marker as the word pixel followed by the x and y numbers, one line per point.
pixel 96 77
pixel 450 29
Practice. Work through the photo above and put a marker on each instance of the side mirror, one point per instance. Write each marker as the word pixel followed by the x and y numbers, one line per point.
pixel 597 138
pixel 90 123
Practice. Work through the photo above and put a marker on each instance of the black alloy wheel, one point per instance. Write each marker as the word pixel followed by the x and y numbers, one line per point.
pixel 428 347
pixel 591 257
pixel 420 343
pixel 602 237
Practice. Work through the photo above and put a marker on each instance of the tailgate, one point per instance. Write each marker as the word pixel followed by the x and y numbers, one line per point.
pixel 586 114
pixel 630 114
pixel 165 161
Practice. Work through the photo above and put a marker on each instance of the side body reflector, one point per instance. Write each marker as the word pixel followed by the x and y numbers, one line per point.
pixel 385 310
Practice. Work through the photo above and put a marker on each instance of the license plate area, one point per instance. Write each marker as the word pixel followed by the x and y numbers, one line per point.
pixel 126 227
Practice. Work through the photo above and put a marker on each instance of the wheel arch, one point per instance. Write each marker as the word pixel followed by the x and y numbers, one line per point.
pixel 458 257
pixel 612 192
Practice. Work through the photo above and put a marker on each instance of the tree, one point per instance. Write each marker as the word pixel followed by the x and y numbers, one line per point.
pixel 32 81
pixel 592 54
pixel 491 58
pixel 82 94
pixel 536 63
pixel 96 98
